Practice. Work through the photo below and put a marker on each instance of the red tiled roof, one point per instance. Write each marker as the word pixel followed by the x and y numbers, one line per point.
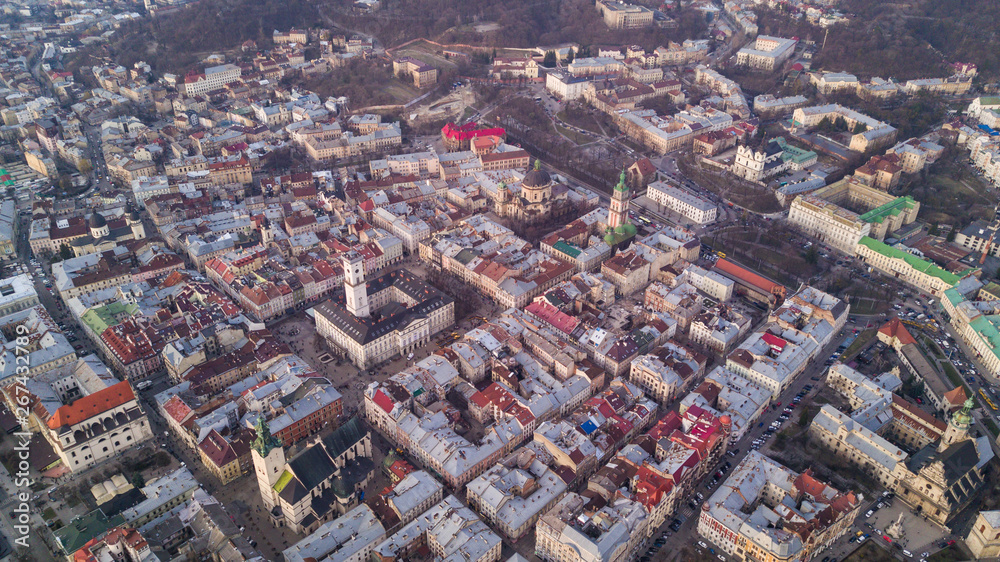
pixel 773 340
pixel 469 131
pixel 217 449
pixel 92 405
pixel 895 329
pixel 384 401
pixel 745 275
pixel 177 409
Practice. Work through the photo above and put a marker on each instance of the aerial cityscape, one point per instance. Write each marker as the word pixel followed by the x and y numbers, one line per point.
pixel 546 280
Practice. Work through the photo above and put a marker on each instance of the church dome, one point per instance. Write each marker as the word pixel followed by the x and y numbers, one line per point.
pixel 134 216
pixel 97 221
pixel 536 178
pixel 626 230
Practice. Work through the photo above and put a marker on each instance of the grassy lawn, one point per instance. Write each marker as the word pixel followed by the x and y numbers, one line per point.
pixel 806 416
pixel 580 119
pixel 933 347
pixel 48 514
pixel 950 554
pixel 955 378
pixel 868 552
pixel 951 194
pixel 573 135
pixel 867 297
pixel 867 306
pixel 864 338
pixel 787 267
pixel 402 92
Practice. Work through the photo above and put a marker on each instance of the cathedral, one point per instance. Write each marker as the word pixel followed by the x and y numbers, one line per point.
pixel 534 202
pixel 940 481
pixel 105 235
pixel 318 484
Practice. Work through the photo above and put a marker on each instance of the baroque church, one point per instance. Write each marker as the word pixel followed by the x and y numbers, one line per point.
pixel 106 235
pixel 941 480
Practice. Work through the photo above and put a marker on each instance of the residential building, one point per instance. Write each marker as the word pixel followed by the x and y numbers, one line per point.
pixel 765 511
pixel 768 53
pixel 349 538
pixel 774 356
pixel 709 282
pixel 162 495
pixel 719 328
pixel 417 492
pixel 667 371
pixel 449 530
pixel 513 494
pixel 573 530
pixel 690 206
pixel 16 294
pixel 628 272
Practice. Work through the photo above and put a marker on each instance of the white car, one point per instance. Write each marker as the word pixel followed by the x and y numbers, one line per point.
pixel 702 544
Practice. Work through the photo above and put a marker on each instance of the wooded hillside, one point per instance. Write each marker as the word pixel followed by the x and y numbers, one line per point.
pixel 902 40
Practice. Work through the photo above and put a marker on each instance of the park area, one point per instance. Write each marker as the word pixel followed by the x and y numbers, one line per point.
pixel 749 196
pixel 770 251
pixel 951 193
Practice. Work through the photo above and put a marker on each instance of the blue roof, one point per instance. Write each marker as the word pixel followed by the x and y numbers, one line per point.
pixel 588 427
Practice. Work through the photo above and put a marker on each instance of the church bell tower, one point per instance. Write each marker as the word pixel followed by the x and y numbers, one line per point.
pixel 268 462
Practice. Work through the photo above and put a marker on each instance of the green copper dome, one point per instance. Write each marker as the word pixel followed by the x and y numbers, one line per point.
pixel 963 417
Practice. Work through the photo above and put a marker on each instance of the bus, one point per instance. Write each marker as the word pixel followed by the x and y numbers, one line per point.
pixel 987 399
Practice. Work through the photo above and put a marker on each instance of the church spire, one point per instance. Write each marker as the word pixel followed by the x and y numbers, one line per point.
pixel 621 182
pixel 264 442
